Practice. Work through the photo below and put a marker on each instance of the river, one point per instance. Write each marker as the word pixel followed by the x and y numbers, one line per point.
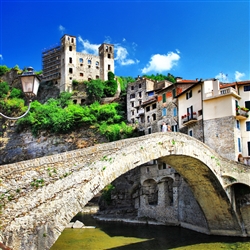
pixel 121 236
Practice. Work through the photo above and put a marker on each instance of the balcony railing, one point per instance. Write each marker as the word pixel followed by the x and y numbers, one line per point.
pixel 225 91
pixel 242 112
pixel 141 111
pixel 189 118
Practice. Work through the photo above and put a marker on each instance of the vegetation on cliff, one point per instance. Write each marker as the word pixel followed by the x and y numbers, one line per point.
pixel 61 115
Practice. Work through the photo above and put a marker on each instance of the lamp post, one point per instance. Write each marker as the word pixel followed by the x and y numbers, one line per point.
pixel 30 84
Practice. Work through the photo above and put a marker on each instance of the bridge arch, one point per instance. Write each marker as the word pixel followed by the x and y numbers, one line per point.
pixel 36 219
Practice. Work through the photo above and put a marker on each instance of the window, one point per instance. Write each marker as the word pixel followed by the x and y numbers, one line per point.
pixel 70 70
pixel 139 94
pixel 97 77
pixel 247 104
pixel 154 117
pixel 149 130
pixel 190 112
pixel 148 119
pixel 109 56
pixel 248 147
pixel 132 87
pixel 97 65
pixel 189 94
pixel 151 93
pixel 247 126
pixel 164 97
pixel 239 144
pixel 247 88
pixel 164 165
pixel 174 128
pixel 132 104
pixel 147 108
pixel 109 67
pixel 70 48
pixel 72 40
pixel 154 106
pixel 237 124
pixel 164 112
pixel 236 103
pixel 70 60
pixel 132 112
pixel 190 132
pixel 80 60
pixel 174 111
pixel 81 74
pixel 174 93
pixel 139 86
pixel 89 61
pixel 132 96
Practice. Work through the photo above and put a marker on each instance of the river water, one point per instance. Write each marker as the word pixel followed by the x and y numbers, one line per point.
pixel 121 236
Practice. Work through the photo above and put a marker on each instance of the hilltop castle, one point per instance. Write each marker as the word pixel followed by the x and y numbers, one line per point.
pixel 62 64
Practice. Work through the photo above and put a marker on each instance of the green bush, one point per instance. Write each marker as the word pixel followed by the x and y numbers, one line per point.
pixel 16 93
pixel 3 69
pixel 4 89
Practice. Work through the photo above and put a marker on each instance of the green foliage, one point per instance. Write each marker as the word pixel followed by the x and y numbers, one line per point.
pixel 111 76
pixel 4 89
pixel 75 83
pixel 16 93
pixel 160 77
pixel 110 86
pixel 64 99
pixel 115 132
pixel 52 117
pixel 3 69
pixel 95 89
pixel 106 193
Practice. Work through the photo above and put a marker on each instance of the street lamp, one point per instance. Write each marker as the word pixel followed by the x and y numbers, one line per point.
pixel 30 84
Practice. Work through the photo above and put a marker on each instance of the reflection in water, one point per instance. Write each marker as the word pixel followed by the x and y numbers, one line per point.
pixel 120 236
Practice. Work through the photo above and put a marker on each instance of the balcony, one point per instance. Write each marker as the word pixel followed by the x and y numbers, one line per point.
pixel 242 113
pixel 141 112
pixel 189 119
pixel 221 92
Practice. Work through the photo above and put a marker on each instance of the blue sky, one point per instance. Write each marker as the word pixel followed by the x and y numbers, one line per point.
pixel 190 39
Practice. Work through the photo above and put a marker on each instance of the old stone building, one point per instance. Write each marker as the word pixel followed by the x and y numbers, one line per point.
pixel 62 64
pixel 150 103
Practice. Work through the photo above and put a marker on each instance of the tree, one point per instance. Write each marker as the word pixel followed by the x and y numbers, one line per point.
pixel 110 85
pixel 95 90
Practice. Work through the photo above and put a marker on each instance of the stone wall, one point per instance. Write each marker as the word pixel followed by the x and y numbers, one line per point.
pixel 176 204
pixel 16 147
pixel 219 135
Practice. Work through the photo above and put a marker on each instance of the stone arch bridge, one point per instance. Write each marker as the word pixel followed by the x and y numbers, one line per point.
pixel 39 197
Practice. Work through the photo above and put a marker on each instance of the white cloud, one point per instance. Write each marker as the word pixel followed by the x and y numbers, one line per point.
pixel 88 48
pixel 222 77
pixel 178 52
pixel 160 63
pixel 121 56
pixel 238 75
pixel 62 29
pixel 1 57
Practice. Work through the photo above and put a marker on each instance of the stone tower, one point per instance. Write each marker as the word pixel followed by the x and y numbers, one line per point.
pixel 68 67
pixel 63 64
pixel 106 54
